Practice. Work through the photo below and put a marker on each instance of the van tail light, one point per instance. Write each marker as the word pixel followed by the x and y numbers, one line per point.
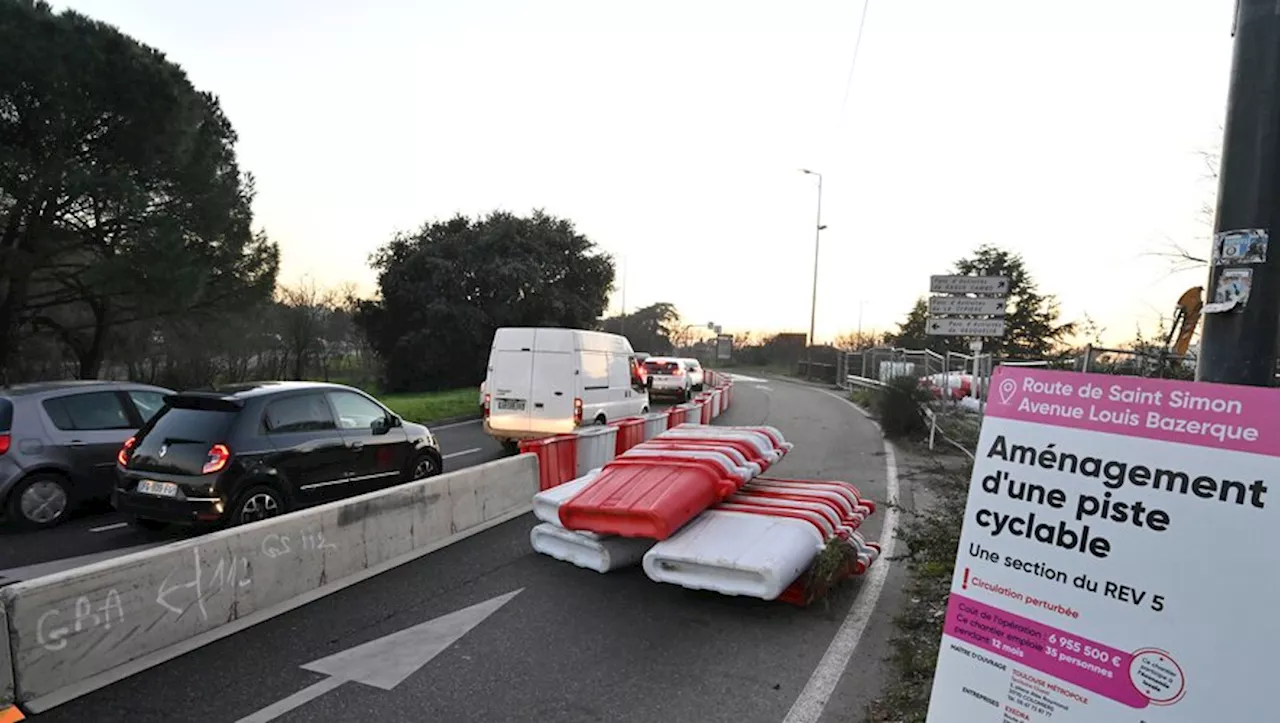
pixel 125 451
pixel 218 457
pixel 577 410
pixel 486 405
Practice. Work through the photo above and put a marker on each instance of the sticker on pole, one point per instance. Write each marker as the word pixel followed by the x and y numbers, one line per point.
pixel 1115 564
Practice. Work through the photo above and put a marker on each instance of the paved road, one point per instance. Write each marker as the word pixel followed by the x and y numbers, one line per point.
pixel 91 537
pixel 573 645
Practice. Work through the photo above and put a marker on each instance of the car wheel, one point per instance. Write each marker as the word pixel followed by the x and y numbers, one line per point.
pixel 644 410
pixel 257 503
pixel 425 465
pixel 511 446
pixel 40 501
pixel 601 421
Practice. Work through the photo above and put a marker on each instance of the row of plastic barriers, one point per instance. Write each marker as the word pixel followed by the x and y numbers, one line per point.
pixel 565 457
pixel 695 508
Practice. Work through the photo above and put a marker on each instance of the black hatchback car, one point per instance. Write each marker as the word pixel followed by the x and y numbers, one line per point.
pixel 245 453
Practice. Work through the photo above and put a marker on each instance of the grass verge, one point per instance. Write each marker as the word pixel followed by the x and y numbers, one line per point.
pixel 930 536
pixel 432 406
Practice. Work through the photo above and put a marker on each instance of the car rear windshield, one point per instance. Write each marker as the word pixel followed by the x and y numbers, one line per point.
pixel 191 425
pixel 6 415
pixel 661 367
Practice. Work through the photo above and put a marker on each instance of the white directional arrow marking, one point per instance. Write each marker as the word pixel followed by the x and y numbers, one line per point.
pixel 387 661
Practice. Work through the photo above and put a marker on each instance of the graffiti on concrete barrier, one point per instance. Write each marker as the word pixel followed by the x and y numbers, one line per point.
pixel 53 626
pixel 230 572
pixel 198 578
pixel 274 545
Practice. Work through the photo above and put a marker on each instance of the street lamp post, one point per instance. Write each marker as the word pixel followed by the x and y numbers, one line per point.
pixel 813 302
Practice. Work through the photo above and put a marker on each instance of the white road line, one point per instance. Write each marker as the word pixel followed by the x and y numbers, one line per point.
pixel 813 699
pixel 105 528
pixel 451 455
pixel 456 424
pixel 301 698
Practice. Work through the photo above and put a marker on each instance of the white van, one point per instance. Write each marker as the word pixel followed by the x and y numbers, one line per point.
pixel 544 381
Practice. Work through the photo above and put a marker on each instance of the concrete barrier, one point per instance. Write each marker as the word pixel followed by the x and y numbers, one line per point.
pixel 6 664
pixel 81 629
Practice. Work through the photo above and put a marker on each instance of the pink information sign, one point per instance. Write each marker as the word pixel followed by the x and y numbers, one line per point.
pixel 1119 538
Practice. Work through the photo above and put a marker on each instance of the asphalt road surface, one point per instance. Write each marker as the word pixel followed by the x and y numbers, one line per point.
pixel 91 537
pixel 552 642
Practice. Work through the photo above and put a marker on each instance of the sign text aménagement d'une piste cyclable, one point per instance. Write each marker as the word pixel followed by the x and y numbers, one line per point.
pixel 1114 561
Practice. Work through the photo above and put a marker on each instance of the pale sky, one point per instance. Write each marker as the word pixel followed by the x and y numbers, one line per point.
pixel 672 133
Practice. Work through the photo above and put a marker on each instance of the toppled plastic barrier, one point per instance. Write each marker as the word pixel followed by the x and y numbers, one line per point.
pixel 719 525
pixel 735 553
pixel 588 550
pixel 788 540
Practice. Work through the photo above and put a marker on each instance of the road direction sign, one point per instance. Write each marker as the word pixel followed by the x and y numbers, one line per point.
pixel 724 347
pixel 969 284
pixel 965 327
pixel 387 661
pixel 966 306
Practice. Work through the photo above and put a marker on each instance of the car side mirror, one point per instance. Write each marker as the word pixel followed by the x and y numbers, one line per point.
pixel 381 426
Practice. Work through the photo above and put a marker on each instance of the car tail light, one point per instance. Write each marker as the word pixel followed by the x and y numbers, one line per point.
pixel 577 410
pixel 486 405
pixel 677 372
pixel 125 451
pixel 218 457
pixel 5 440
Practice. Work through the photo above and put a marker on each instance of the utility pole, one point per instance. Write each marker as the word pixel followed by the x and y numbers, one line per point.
pixel 813 302
pixel 1239 346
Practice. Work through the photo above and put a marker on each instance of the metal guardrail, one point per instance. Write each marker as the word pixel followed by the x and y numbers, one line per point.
pixel 865 382
pixel 854 380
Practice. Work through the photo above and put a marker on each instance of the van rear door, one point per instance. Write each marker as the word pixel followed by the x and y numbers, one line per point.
pixel 555 381
pixel 510 380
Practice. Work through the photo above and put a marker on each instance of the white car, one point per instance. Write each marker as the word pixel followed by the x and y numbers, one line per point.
pixel 669 377
pixel 695 373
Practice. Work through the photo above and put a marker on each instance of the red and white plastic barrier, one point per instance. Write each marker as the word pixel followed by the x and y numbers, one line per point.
pixel 557 458
pixel 655 423
pixel 588 550
pixel 630 433
pixel 596 446
pixel 734 553
pixel 688 502
pixel 768 557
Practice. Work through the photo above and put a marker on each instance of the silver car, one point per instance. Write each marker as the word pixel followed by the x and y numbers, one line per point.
pixel 59 441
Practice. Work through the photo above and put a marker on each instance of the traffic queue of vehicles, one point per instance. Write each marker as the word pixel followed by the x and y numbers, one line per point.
pixel 237 454
pixel 202 458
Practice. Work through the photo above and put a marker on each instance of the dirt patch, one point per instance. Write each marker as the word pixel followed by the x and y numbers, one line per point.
pixel 927 538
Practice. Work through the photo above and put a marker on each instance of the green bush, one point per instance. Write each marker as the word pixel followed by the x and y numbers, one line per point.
pixel 897 407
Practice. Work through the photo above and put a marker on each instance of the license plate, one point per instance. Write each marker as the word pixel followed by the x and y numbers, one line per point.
pixel 159 489
pixel 511 405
